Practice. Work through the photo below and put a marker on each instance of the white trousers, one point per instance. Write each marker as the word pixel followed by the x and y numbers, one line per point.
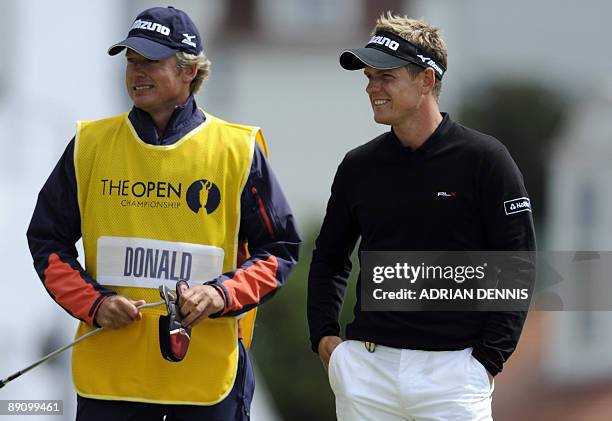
pixel 392 384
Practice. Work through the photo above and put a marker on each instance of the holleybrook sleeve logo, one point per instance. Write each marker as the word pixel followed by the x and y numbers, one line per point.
pixel 522 204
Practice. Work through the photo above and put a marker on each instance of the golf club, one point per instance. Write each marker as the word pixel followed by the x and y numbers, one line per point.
pixel 49 356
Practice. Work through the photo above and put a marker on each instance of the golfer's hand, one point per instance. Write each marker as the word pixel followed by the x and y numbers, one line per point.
pixel 117 311
pixel 327 344
pixel 199 302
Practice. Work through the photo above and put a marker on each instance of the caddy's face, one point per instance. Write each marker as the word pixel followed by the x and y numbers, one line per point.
pixel 155 85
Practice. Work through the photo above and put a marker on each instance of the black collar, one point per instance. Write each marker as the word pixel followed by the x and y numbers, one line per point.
pixel 432 143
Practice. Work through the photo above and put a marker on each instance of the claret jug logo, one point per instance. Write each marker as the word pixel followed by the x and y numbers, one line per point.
pixel 203 194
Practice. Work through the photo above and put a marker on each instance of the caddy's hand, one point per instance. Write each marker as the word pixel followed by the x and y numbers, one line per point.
pixel 199 302
pixel 118 311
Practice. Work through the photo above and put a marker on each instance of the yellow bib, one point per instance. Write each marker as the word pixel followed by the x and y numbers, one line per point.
pixel 151 215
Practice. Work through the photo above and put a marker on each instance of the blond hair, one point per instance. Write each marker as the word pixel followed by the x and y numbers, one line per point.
pixel 419 33
pixel 202 63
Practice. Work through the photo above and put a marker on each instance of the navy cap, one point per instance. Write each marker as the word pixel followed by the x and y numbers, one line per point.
pixel 160 32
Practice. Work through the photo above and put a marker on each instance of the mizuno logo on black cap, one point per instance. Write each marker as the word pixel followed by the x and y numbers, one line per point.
pixel 389 43
pixel 431 64
pixel 396 46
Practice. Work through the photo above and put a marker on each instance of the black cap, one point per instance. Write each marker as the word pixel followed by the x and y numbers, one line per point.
pixel 386 50
pixel 160 32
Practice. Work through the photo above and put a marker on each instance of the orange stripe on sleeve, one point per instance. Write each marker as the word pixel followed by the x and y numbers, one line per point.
pixel 248 286
pixel 69 289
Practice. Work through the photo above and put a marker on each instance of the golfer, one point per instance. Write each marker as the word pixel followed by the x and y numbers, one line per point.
pixel 428 183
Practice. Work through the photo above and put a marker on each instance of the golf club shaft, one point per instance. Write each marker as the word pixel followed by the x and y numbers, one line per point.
pixel 49 356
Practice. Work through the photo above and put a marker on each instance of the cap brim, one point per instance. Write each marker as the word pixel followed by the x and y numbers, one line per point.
pixel 145 47
pixel 358 58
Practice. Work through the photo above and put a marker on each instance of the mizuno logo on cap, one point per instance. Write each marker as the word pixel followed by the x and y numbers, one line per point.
pixel 389 43
pixel 151 26
pixel 189 40
pixel 430 63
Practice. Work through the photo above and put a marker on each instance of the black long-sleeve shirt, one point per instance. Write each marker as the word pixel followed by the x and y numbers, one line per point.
pixel 266 224
pixel 387 195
